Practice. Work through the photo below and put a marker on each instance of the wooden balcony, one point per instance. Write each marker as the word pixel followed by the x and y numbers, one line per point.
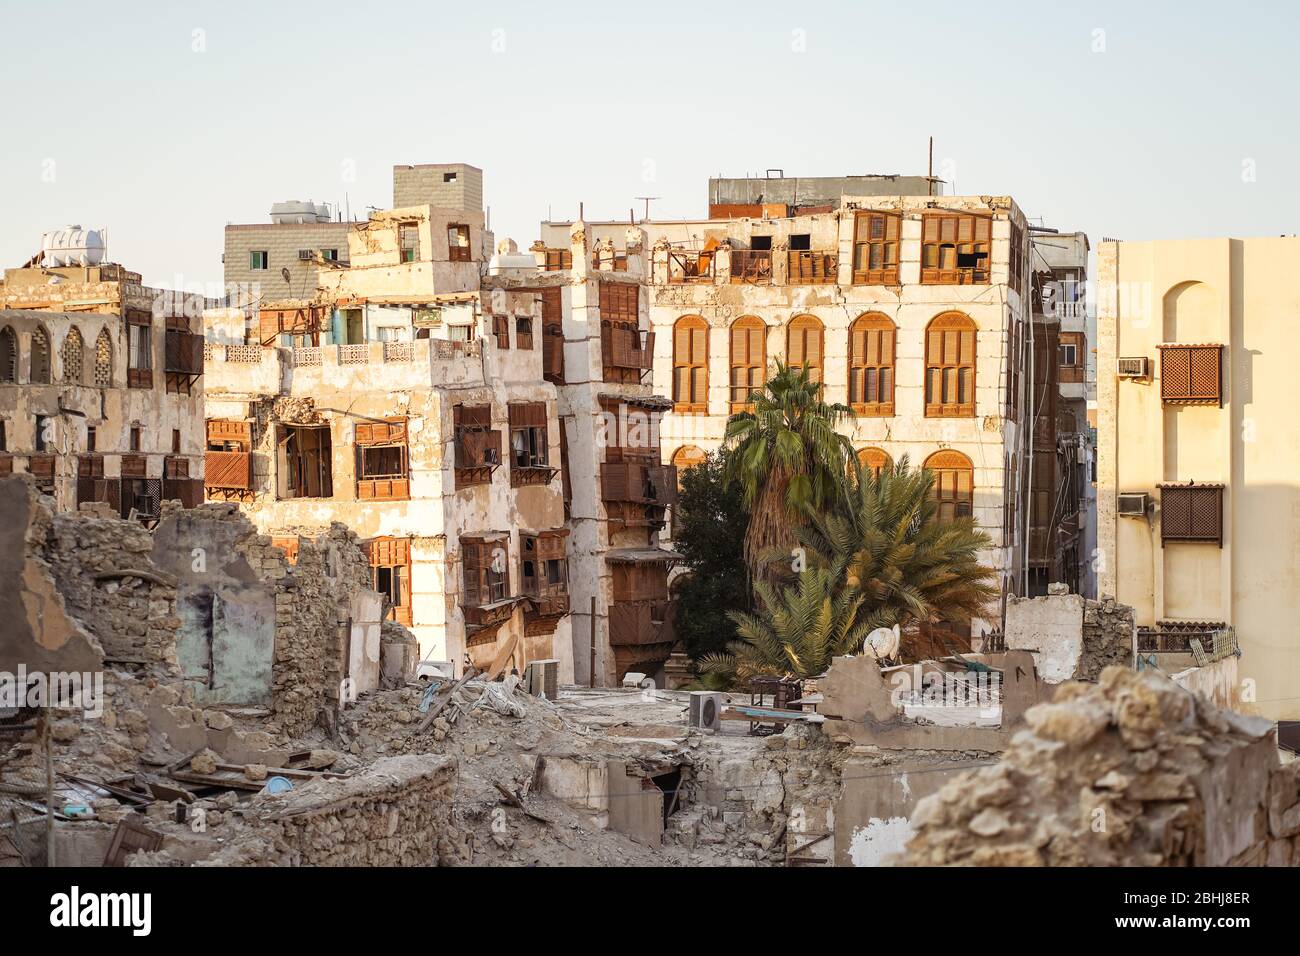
pixel 813 268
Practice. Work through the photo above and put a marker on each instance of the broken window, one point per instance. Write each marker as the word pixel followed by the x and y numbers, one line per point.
pixel 141 495
pixel 955 248
pixel 44 439
pixel 543 568
pixel 382 467
pixel 478 446
pixel 458 242
pixel 523 331
pixel 802 240
pixel 485 570
pixel 139 366
pixel 408 240
pixel 304 457
pixel 390 568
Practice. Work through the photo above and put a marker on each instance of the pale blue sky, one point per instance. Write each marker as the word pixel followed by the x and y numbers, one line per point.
pixel 563 102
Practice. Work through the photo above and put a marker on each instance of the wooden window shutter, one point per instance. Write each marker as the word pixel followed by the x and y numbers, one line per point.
pixel 690 363
pixel 1191 374
pixel 950 366
pixel 804 345
pixel 1191 513
pixel 871 365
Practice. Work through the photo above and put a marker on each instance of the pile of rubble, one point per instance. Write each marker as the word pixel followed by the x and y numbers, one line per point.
pixel 1134 770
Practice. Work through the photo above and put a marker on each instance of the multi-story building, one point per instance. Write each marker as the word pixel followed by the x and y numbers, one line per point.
pixel 405 398
pixel 910 308
pixel 101 389
pixel 445 185
pixel 1057 482
pixel 1198 506
pixel 284 258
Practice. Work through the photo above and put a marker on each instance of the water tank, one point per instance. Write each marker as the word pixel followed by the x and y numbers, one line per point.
pixel 73 246
pixel 298 211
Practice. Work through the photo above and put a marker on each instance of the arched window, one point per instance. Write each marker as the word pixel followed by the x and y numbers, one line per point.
pixel 691 364
pixel 748 359
pixel 40 367
pixel 950 366
pixel 954 484
pixel 8 355
pixel 804 345
pixel 874 459
pixel 871 365
pixel 686 458
pixel 103 360
pixel 71 355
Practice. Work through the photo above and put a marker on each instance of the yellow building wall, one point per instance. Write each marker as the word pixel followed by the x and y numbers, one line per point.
pixel 1244 294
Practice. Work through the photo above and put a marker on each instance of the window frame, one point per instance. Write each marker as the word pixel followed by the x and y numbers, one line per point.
pixel 754 367
pixel 872 330
pixel 799 329
pixel 253 260
pixel 934 270
pixel 694 367
pixel 944 325
pixel 863 245
pixel 1181 387
pixel 387 485
pixel 948 467
pixel 1176 497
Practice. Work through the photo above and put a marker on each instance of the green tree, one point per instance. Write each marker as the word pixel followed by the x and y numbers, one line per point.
pixel 879 557
pixel 788 458
pixel 707 520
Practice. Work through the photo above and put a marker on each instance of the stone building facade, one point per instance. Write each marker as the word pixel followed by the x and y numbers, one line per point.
pixel 101 387
pixel 405 398
pixel 913 309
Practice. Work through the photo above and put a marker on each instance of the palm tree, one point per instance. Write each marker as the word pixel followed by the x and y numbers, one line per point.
pixel 881 557
pixel 789 459
pixel 910 567
pixel 797 632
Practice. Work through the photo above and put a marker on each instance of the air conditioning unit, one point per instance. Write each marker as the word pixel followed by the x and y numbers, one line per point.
pixel 1135 367
pixel 305 255
pixel 705 710
pixel 541 678
pixel 1132 503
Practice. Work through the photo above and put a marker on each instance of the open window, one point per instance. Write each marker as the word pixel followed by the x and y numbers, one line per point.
pixel 139 365
pixel 382 466
pixel 478 445
pixel 304 459
pixel 485 578
pixel 458 249
pixel 955 249
pixel 408 240
pixel 390 573
pixel 529 445
pixel 543 570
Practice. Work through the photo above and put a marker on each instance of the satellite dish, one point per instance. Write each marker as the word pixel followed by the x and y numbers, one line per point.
pixel 284 274
pixel 883 642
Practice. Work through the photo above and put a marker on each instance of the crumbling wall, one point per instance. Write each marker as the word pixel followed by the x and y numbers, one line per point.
pixel 1071 638
pixel 1108 631
pixel 133 617
pixel 312 624
pixel 1131 771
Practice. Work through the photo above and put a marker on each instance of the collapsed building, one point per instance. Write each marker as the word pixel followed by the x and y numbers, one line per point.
pixel 101 389
pixel 256 711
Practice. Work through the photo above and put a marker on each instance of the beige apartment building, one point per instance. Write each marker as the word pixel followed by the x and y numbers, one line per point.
pixel 1198 506
pixel 101 382
pixel 913 309
pixel 284 258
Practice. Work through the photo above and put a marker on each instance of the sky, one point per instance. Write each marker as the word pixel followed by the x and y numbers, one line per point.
pixel 163 122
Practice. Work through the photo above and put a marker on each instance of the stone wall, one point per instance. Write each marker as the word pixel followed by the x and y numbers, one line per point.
pixel 1108 631
pixel 397 812
pixel 1133 771
pixel 1071 638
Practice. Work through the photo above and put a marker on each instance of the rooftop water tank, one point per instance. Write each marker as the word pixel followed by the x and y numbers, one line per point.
pixel 73 246
pixel 298 211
